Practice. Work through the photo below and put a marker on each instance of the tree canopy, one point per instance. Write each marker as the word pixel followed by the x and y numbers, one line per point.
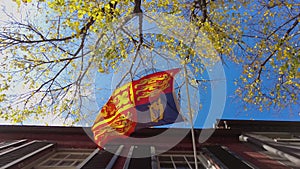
pixel 53 52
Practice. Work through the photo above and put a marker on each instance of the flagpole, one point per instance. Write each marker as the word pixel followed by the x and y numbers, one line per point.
pixel 191 116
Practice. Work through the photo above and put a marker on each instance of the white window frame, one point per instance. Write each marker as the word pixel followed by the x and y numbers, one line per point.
pixel 67 153
pixel 182 154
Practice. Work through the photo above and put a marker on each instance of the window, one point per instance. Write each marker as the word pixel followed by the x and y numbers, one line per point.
pixel 20 154
pixel 280 146
pixel 224 158
pixel 10 144
pixel 66 159
pixel 178 161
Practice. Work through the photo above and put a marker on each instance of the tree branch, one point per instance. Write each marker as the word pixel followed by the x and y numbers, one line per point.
pixel 279 45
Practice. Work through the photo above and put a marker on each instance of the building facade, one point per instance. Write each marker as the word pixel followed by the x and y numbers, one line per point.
pixel 236 144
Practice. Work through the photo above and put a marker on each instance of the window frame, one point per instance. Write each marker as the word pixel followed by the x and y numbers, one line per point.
pixel 185 155
pixel 75 162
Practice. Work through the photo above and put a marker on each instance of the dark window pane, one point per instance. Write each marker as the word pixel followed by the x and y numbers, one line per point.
pixel 60 156
pixel 182 165
pixel 50 163
pixel 65 163
pixel 164 158
pixel 166 165
pixel 77 163
pixel 177 158
pixel 191 159
pixel 77 156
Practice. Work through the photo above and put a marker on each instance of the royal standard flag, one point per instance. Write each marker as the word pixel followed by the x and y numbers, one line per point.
pixel 142 103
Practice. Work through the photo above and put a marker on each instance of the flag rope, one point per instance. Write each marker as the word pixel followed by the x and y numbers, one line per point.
pixel 191 117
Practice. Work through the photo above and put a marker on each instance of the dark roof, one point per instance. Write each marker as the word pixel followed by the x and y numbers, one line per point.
pixel 224 126
pixel 259 125
pixel 243 125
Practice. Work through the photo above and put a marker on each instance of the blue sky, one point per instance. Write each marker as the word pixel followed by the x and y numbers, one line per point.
pixel 234 107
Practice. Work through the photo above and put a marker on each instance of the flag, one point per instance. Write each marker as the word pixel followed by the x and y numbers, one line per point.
pixel 142 103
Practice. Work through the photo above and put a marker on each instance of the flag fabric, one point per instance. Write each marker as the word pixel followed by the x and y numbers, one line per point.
pixel 142 103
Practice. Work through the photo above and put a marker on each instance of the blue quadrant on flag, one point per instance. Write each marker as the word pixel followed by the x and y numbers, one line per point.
pixel 161 111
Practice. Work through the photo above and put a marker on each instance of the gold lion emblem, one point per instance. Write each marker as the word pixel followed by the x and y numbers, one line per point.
pixel 156 111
